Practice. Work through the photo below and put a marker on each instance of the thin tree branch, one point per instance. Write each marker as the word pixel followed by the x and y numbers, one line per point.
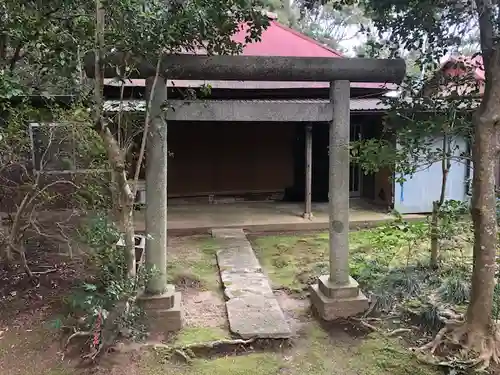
pixel 146 129
pixel 15 56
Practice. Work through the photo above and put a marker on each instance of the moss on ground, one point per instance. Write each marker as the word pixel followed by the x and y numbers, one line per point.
pixel 294 261
pixel 371 355
pixel 192 335
pixel 252 364
pixel 383 355
pixel 315 353
pixel 291 260
pixel 193 263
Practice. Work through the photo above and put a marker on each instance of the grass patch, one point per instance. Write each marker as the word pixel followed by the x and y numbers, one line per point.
pixel 291 261
pixel 193 335
pixel 192 263
pixel 209 246
pixel 390 261
pixel 252 364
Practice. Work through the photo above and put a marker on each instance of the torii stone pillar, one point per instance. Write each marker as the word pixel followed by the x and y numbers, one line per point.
pixel 308 183
pixel 337 295
pixel 160 299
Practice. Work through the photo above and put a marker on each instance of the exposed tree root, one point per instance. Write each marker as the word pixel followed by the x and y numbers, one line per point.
pixel 397 331
pixel 373 328
pixel 190 351
pixel 464 346
pixel 77 334
pixel 368 312
pixel 366 325
pixel 94 353
pixel 187 352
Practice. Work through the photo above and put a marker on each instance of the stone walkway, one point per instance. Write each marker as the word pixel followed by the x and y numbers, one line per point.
pixel 252 309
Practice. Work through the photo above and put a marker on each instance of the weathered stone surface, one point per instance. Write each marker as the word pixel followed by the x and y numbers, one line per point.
pixel 237 284
pixel 335 308
pixel 228 233
pixel 158 301
pixel 237 258
pixel 258 68
pixel 166 320
pixel 335 291
pixel 236 253
pixel 256 316
pixel 252 309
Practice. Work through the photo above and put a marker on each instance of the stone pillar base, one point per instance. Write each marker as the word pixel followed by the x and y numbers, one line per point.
pixel 333 301
pixel 307 216
pixel 164 312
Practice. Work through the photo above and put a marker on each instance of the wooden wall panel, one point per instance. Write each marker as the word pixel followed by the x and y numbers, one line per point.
pixel 232 158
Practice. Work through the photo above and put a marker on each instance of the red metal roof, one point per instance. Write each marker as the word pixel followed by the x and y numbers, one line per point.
pixel 470 67
pixel 276 40
pixel 279 40
pixel 454 65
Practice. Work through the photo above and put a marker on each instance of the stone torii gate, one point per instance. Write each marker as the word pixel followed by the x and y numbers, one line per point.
pixel 335 295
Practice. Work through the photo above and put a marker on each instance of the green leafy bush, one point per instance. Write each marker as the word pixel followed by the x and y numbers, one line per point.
pixel 105 304
pixel 451 214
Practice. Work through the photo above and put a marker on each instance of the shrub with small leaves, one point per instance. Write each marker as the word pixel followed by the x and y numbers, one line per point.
pixel 452 216
pixel 106 303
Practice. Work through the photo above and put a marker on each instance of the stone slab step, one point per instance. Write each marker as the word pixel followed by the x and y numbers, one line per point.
pixel 228 233
pixel 253 316
pixel 237 258
pixel 237 284
pixel 252 309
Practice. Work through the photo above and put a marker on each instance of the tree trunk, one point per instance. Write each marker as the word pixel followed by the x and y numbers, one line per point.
pixel 126 204
pixel 479 312
pixel 115 196
pixel 479 333
pixel 115 154
pixel 436 205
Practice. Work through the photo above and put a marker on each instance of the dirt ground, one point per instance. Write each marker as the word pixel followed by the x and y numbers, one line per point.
pixel 29 345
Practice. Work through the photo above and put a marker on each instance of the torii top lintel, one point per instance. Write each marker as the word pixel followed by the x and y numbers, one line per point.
pixel 258 68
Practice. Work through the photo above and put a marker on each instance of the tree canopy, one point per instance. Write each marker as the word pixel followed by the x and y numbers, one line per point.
pixel 42 44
